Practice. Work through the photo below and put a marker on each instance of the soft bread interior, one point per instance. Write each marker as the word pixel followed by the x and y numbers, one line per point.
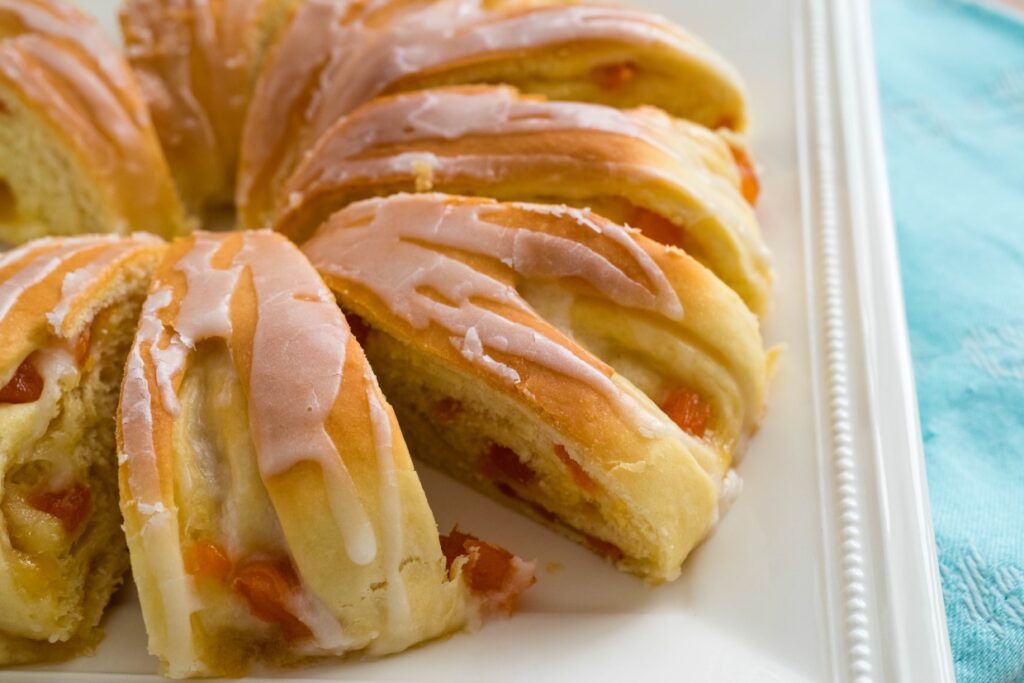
pixel 487 440
pixel 659 357
pixel 233 525
pixel 56 581
pixel 44 188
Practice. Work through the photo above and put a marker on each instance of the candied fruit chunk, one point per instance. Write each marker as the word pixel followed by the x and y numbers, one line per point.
pixel 26 386
pixel 266 586
pixel 579 475
pixel 614 76
pixel 207 558
pixel 688 410
pixel 750 186
pixel 490 571
pixel 70 505
pixel 502 463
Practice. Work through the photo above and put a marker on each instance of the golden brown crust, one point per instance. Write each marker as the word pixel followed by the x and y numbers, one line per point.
pixel 49 288
pixel 676 181
pixel 245 374
pixel 197 64
pixel 333 57
pixel 460 282
pixel 66 309
pixel 56 64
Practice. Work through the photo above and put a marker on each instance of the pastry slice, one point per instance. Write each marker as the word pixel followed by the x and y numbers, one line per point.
pixel 678 182
pixel 67 310
pixel 197 63
pixel 78 152
pixel 592 378
pixel 272 512
pixel 333 57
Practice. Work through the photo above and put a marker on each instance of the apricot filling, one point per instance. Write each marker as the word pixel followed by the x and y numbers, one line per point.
pixel 206 558
pixel 489 570
pixel 26 386
pixel 750 186
pixel 70 505
pixel 582 479
pixel 660 229
pixel 265 585
pixel 501 463
pixel 614 76
pixel 688 410
pixel 80 348
pixel 446 410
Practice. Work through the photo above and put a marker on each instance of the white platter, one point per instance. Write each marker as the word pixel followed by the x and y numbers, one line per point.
pixel 824 569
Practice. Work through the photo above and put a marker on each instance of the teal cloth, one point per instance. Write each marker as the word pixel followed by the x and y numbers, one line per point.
pixel 952 84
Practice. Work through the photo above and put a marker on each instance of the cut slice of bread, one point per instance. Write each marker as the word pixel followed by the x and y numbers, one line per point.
pixel 67 309
pixel 586 375
pixel 272 511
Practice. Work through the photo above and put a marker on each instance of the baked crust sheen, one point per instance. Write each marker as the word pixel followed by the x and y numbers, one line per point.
pixel 253 434
pixel 676 180
pixel 197 63
pixel 66 308
pixel 332 57
pixel 79 134
pixel 574 325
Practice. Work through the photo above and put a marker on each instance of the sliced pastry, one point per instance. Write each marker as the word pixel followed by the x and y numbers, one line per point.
pixel 582 373
pixel 197 63
pixel 333 56
pixel 67 310
pixel 678 182
pixel 271 508
pixel 78 152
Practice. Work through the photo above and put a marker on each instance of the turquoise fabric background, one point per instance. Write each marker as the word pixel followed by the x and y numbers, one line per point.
pixel 952 84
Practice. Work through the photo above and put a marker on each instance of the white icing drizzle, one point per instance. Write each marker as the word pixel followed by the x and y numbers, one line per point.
pixel 298 358
pixel 137 404
pixel 44 264
pixel 205 310
pixel 77 283
pixel 452 113
pixel 102 105
pixel 439 33
pixel 399 613
pixel 159 532
pixel 340 155
pixel 349 60
pixel 63 21
pixel 393 251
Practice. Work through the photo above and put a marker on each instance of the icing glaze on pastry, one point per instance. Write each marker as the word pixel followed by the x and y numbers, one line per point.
pixel 424 285
pixel 333 58
pixel 676 181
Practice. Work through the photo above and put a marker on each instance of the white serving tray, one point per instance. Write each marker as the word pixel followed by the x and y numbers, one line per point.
pixel 824 569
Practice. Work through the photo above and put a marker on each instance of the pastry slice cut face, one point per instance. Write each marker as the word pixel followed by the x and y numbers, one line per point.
pixel 271 508
pixel 78 152
pixel 332 58
pixel 67 310
pixel 678 182
pixel 594 379
pixel 197 64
